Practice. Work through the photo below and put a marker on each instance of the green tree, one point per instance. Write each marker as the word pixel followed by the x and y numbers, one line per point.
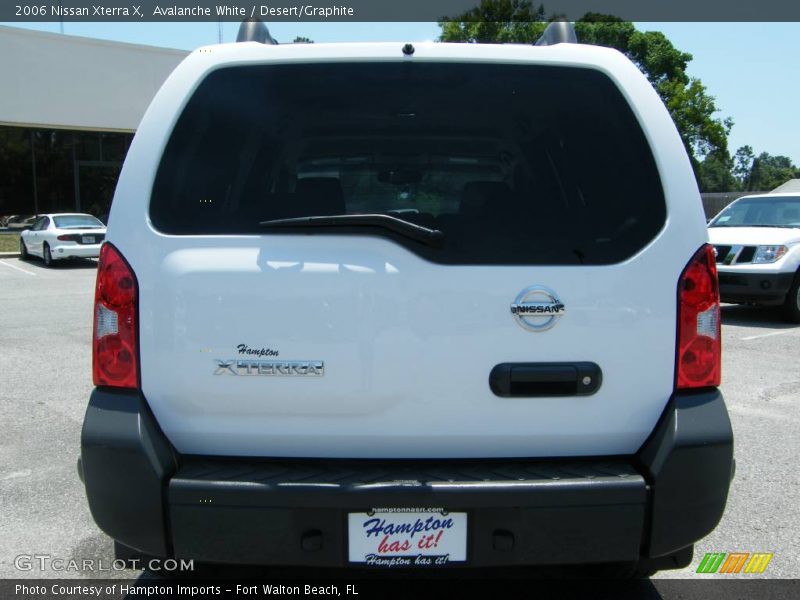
pixel 301 39
pixel 715 173
pixel 743 166
pixel 496 22
pixel 686 98
pixel 768 172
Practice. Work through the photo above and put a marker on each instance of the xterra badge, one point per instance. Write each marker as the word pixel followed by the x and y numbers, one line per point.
pixel 277 368
pixel 537 308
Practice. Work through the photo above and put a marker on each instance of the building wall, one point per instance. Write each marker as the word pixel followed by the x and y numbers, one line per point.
pixel 68 110
pixel 68 82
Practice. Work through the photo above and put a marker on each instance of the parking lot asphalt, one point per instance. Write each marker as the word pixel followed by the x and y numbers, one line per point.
pixel 45 381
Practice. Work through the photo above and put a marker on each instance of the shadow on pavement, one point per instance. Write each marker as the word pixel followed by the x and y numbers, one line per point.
pixel 65 264
pixel 755 316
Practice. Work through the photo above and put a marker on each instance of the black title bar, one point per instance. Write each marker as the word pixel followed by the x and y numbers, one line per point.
pixel 380 10
pixel 390 585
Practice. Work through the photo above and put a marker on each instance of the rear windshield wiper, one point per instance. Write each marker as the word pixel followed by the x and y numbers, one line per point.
pixel 418 233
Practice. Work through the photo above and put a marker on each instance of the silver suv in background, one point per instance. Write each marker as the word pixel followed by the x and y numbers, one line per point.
pixel 757 245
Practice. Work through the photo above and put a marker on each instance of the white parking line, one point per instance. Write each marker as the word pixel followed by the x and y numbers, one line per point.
pixel 763 335
pixel 2 262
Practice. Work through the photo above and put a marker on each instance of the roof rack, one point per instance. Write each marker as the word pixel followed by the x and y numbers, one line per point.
pixel 254 30
pixel 558 32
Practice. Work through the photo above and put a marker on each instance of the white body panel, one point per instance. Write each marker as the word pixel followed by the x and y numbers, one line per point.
pixel 754 236
pixel 407 344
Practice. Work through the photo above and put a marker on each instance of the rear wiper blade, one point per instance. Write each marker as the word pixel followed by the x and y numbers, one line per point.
pixel 418 233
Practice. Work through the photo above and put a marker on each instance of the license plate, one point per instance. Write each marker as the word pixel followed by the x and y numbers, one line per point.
pixel 88 239
pixel 407 538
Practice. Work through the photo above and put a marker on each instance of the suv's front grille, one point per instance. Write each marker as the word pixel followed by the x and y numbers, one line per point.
pixel 746 255
pixel 731 255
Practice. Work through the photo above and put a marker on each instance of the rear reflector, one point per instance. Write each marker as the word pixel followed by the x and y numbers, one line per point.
pixel 115 347
pixel 699 340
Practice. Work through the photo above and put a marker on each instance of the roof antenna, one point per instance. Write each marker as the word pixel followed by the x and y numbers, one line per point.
pixel 254 30
pixel 558 32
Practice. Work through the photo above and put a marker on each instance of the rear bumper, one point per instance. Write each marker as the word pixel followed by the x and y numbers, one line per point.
pixel 767 288
pixel 76 251
pixel 519 512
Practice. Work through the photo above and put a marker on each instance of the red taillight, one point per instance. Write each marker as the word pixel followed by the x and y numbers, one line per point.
pixel 115 351
pixel 68 237
pixel 699 343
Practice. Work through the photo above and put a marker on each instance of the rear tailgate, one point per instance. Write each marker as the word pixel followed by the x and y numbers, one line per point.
pixel 360 342
pixel 407 347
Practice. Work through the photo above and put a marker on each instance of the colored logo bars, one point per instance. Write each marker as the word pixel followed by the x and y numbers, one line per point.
pixel 734 562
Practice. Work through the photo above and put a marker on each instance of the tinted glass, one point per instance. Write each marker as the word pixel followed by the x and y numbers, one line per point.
pixel 75 170
pixel 514 164
pixel 76 222
pixel 760 212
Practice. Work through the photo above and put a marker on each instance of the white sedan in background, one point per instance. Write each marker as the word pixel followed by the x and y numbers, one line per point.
pixel 64 235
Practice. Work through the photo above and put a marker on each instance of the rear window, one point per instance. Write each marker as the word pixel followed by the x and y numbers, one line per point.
pixel 514 164
pixel 76 222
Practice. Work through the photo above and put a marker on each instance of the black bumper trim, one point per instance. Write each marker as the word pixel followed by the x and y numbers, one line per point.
pixel 554 512
pixel 126 462
pixel 688 461
pixel 344 483
pixel 754 287
pixel 557 511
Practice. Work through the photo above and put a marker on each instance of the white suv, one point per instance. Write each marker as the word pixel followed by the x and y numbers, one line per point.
pixel 757 243
pixel 407 305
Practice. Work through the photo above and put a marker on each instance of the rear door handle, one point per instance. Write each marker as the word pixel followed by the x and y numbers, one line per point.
pixel 530 380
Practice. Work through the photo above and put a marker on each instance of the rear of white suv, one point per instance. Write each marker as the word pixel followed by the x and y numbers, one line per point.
pixel 419 306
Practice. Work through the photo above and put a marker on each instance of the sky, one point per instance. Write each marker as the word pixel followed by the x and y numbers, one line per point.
pixel 751 69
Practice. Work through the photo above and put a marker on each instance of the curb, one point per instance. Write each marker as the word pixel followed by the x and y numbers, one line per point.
pixel 9 254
